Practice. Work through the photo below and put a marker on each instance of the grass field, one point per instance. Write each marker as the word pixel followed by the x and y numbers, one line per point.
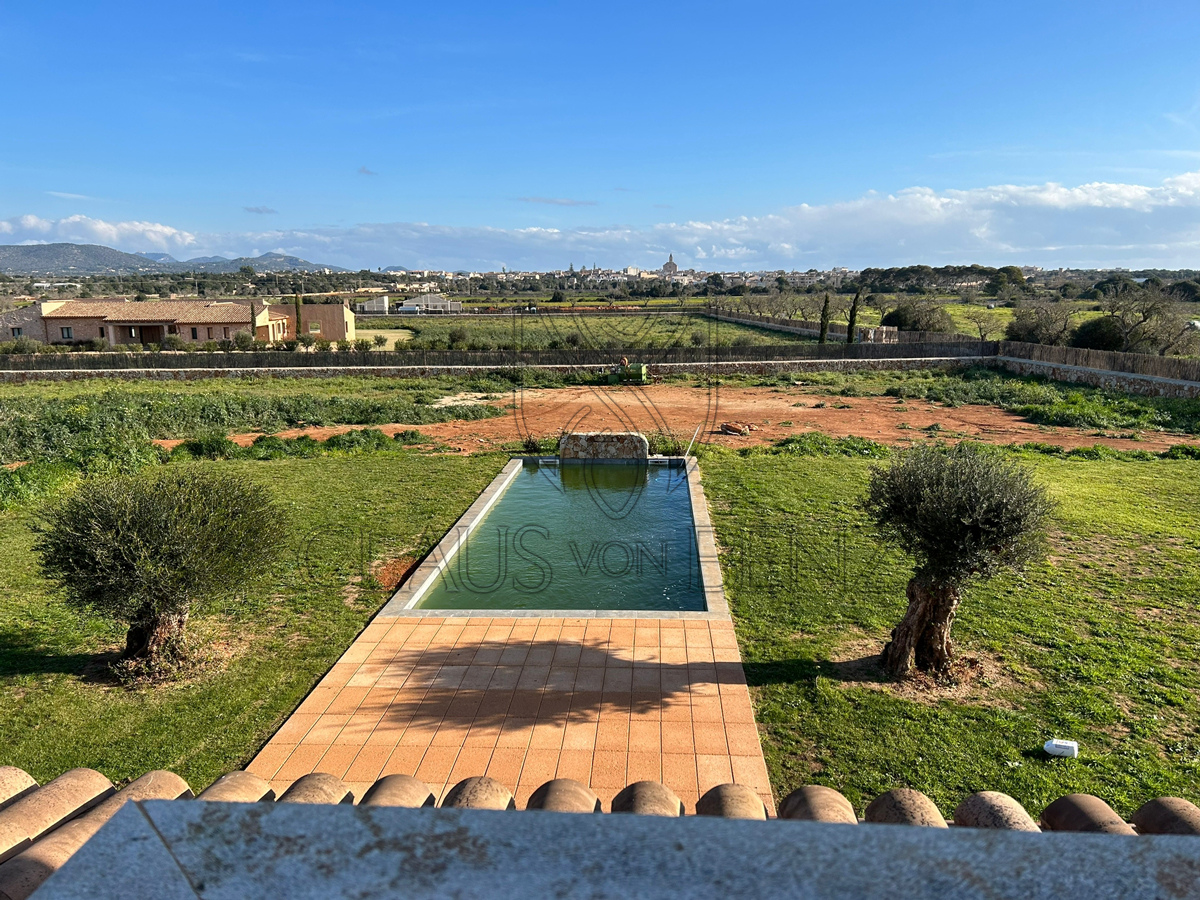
pixel 1100 643
pixel 535 332
pixel 59 709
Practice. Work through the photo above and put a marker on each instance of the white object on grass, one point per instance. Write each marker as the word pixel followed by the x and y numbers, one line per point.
pixel 1059 747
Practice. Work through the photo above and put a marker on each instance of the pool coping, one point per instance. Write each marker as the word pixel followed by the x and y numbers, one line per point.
pixel 411 591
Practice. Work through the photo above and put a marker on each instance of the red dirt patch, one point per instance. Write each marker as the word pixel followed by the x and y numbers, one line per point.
pixel 391 573
pixel 679 410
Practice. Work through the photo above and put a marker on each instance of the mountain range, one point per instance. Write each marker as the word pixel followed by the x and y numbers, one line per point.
pixel 94 259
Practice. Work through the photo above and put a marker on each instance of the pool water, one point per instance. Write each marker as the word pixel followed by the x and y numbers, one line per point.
pixel 585 536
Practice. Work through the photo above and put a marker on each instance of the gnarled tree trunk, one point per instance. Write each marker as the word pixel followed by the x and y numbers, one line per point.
pixel 157 639
pixel 924 632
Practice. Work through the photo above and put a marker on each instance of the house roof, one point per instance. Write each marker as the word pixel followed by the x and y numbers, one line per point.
pixel 204 312
pixel 41 827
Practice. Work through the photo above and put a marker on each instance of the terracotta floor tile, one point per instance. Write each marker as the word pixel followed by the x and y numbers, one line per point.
pixel 483 735
pixel 403 761
pixel 533 678
pixel 436 764
pixel 616 680
pixel 646 678
pixel 671 638
pixel 676 709
pixel 679 773
pixel 743 739
pixel 269 759
pixel 645 736
pixel 464 707
pixel 707 709
pixel 608 773
pixel 357 730
pixel 516 733
pixel 514 655
pixel 505 678
pixel 539 767
pixel 295 728
pixel 302 761
pixel 613 733
pixel 644 766
pixel 713 770
pixel 540 654
pixel 471 762
pixel 450 734
pixel 477 678
pixel 575 764
pixel 677 737
pixel 347 700
pixel 487 656
pixel 579 736
pixel 325 729
pixel 566 655
pixel 586 704
pixel 555 705
pixel 709 738
pixel 337 761
pixel 737 708
pixel 367 765
pixel 547 736
pixel 589 679
pixel 494 704
pixel 505 765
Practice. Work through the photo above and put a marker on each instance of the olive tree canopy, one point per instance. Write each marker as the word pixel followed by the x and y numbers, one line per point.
pixel 144 549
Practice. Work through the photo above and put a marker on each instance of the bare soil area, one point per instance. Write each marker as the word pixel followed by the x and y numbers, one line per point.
pixel 774 412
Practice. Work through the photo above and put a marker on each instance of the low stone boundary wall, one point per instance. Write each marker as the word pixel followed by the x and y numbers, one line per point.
pixel 1147 385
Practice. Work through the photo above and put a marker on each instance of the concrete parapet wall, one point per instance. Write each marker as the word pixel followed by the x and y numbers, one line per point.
pixel 603 445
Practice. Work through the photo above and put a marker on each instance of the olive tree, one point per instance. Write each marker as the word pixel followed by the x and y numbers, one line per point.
pixel 145 549
pixel 962 513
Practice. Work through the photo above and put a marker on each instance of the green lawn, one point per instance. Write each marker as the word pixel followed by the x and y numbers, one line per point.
pixel 1099 644
pixel 58 709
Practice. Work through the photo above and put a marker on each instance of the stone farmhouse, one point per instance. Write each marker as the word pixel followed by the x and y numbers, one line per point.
pixel 150 322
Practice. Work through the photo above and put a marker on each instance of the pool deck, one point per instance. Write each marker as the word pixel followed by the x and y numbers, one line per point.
pixel 604 701
pixel 526 696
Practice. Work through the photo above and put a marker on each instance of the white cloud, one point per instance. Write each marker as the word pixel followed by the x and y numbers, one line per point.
pixel 1098 224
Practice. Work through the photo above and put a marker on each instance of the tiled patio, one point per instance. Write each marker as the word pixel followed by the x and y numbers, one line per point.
pixel 604 701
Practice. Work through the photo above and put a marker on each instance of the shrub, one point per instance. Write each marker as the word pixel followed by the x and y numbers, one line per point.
pixel 359 441
pixel 380 341
pixel 963 513
pixel 226 346
pixel 1103 333
pixel 814 443
pixel 919 316
pixel 410 436
pixel 363 346
pixel 1182 451
pixel 458 335
pixel 243 340
pixel 145 549
pixel 321 345
pixel 210 346
pixel 209 445
pixel 99 345
pixel 174 342
pixel 308 340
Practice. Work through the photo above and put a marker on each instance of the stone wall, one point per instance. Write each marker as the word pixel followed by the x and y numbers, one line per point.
pixel 603 445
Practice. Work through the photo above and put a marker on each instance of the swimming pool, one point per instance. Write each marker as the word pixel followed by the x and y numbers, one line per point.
pixel 585 536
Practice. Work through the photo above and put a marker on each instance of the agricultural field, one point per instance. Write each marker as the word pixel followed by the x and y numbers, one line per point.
pixel 537 332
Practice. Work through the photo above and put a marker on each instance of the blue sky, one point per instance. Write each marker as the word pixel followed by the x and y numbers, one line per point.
pixel 738 135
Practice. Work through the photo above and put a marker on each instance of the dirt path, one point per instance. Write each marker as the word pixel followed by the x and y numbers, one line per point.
pixel 777 413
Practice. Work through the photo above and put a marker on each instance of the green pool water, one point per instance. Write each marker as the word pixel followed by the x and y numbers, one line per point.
pixel 579 536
